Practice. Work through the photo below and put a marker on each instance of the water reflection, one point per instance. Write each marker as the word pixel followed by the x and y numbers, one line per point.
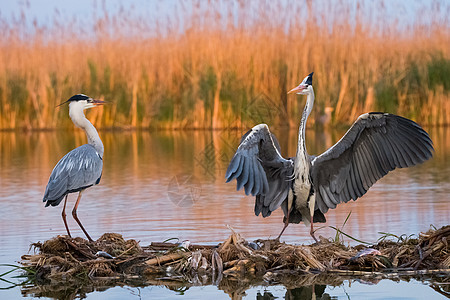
pixel 307 287
pixel 232 288
pixel 307 292
pixel 315 292
pixel 159 185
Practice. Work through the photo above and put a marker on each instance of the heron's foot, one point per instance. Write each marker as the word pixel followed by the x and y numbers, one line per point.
pixel 278 238
pixel 314 237
pixel 67 228
pixel 85 233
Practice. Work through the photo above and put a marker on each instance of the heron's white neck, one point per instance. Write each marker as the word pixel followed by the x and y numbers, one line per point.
pixel 78 118
pixel 301 148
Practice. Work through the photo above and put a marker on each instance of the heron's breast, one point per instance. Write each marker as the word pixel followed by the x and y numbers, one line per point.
pixel 301 191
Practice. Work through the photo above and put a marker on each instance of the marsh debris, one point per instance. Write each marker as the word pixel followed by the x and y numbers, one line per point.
pixel 235 260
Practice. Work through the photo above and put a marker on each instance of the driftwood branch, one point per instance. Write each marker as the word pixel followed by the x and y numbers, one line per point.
pixel 165 258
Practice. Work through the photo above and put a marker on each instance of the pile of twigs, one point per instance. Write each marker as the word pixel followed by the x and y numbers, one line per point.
pixel 111 257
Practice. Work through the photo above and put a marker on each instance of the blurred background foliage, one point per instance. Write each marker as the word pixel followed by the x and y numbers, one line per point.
pixel 227 64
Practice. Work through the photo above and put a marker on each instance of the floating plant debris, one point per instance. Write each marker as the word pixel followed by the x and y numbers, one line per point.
pixel 113 258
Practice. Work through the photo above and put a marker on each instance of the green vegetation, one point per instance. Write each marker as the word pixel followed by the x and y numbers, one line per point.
pixel 209 75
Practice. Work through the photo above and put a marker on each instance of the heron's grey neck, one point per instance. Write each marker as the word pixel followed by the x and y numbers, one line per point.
pixel 302 154
pixel 80 120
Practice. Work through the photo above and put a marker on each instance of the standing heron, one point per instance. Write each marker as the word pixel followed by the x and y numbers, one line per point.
pixel 81 167
pixel 306 186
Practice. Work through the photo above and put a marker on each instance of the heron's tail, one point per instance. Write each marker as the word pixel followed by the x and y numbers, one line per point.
pixel 53 202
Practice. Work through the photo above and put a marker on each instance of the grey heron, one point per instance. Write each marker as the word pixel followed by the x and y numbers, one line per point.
pixel 81 167
pixel 306 186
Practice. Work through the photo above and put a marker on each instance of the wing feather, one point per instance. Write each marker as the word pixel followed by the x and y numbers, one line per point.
pixel 78 169
pixel 243 178
pixel 258 178
pixel 371 163
pixel 351 184
pixel 392 149
pixel 403 163
pixel 232 168
pixel 360 164
pixel 375 144
pixel 384 148
pixel 358 179
pixel 250 182
pixel 420 152
pixel 344 195
pixel 259 168
pixel 383 160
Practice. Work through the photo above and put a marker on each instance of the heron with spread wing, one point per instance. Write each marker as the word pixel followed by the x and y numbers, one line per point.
pixel 80 168
pixel 306 186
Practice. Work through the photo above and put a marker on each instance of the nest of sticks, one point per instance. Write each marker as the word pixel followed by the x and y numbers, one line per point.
pixel 269 261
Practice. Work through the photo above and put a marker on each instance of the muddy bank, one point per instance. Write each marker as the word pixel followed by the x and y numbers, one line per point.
pixel 234 265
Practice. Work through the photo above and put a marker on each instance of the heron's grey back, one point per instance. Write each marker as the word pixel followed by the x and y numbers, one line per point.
pixel 77 170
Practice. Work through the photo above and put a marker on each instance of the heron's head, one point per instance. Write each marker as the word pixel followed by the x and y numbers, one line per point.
pixel 304 88
pixel 82 101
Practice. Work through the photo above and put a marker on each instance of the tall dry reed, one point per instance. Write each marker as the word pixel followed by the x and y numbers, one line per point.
pixel 224 63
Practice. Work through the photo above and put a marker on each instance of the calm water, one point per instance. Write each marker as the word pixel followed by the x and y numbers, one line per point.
pixel 159 185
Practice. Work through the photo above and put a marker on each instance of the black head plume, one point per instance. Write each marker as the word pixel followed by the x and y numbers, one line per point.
pixel 77 97
pixel 309 79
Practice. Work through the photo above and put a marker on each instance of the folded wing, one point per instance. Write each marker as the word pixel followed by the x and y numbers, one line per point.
pixel 77 170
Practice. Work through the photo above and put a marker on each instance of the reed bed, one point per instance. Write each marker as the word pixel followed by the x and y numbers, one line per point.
pixel 224 64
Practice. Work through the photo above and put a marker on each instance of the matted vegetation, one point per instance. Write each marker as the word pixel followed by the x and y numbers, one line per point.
pixel 205 67
pixel 235 262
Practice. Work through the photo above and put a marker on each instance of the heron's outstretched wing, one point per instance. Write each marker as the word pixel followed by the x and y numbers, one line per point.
pixel 375 144
pixel 77 170
pixel 259 167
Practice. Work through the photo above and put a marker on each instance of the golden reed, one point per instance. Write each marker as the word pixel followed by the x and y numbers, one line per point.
pixel 210 67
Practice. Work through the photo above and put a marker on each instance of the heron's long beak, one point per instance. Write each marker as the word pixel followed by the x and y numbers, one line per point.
pixel 61 104
pixel 97 102
pixel 297 89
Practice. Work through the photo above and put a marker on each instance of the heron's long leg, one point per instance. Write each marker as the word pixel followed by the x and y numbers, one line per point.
pixel 312 230
pixel 63 214
pixel 74 214
pixel 312 204
pixel 286 224
pixel 284 228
